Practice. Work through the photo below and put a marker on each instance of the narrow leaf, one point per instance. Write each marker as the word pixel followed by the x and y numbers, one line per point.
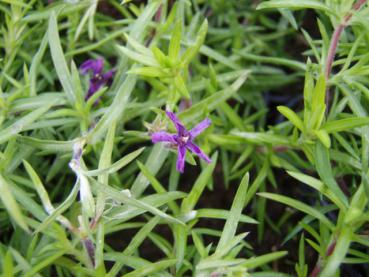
pixel 299 206
pixel 230 226
pixel 10 204
pixel 58 58
pixel 291 116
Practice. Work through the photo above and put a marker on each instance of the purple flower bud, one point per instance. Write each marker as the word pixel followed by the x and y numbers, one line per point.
pixel 98 78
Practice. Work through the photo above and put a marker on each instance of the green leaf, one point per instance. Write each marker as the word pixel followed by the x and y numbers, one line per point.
pixel 191 51
pixel 124 88
pixel 105 163
pixel 47 261
pixel 125 198
pixel 190 201
pixel 35 102
pixel 273 60
pixel 36 61
pixel 231 245
pixel 317 117
pixel 319 92
pixel 160 57
pixel 53 146
pixel 115 166
pixel 86 198
pixel 60 209
pixel 301 268
pixel 153 163
pixel 135 242
pixel 319 186
pixel 60 9
pixel 233 116
pixel 149 71
pixel 8 266
pixel 25 199
pixel 199 245
pixel 230 226
pixel 141 235
pixel 299 206
pixel 115 110
pixel 152 268
pixel 99 253
pixel 59 61
pixel 259 180
pixel 295 5
pixel 323 137
pixel 156 184
pixel 289 16
pixel 180 234
pixel 211 264
pixel 138 46
pixel 107 152
pixel 208 264
pixel 345 124
pixel 323 166
pixel 222 214
pixel 126 212
pixel 291 116
pixel 210 103
pixel 263 259
pixel 22 123
pixel 19 3
pixel 11 205
pixel 138 57
pixel 41 191
pixel 261 138
pixel 181 86
pixel 308 92
pixel 217 56
pixel 175 41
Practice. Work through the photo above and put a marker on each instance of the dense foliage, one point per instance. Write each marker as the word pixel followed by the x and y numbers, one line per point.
pixel 184 138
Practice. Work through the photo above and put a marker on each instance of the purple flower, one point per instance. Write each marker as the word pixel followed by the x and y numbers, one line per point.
pixel 98 79
pixel 183 139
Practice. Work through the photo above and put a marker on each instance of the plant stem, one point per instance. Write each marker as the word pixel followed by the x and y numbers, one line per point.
pixel 90 249
pixel 334 43
pixel 318 267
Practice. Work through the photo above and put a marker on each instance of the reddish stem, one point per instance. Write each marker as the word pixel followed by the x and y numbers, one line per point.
pixel 317 267
pixel 333 49
pixel 334 42
pixel 157 18
pixel 90 248
pixel 331 248
pixel 276 149
pixel 316 271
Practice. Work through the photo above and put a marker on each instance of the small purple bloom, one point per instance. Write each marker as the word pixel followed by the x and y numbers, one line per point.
pixel 98 78
pixel 183 139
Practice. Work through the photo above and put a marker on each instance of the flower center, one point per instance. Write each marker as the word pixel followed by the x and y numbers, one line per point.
pixel 98 77
pixel 185 139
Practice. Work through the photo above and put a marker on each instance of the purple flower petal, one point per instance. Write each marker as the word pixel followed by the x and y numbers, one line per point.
pixel 196 150
pixel 180 128
pixel 199 128
pixel 94 87
pixel 108 75
pixel 181 158
pixel 86 66
pixel 162 137
pixel 96 66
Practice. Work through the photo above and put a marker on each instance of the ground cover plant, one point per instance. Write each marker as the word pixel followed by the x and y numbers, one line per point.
pixel 184 138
